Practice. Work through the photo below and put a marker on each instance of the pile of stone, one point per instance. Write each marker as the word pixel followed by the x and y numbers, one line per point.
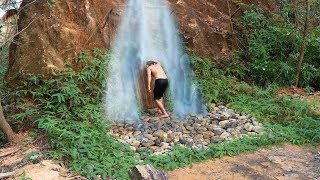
pixel 221 124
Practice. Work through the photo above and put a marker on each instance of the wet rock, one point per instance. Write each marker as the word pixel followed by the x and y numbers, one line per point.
pixel 255 123
pixel 233 123
pixel 159 133
pixel 135 143
pixel 150 137
pixel 168 140
pixel 170 134
pixel 202 129
pixel 136 133
pixel 178 134
pixel 182 141
pixel 218 131
pixel 133 148
pixel 130 141
pixel 148 144
pixel 235 133
pixel 207 134
pixel 189 128
pixel 216 139
pixel 186 132
pixel 252 133
pixel 231 112
pixel 196 126
pixel 248 127
pixel 258 129
pixel 225 135
pixel 195 132
pixel 198 138
pixel 157 142
pixel 224 123
pixel 211 127
pixel 165 145
pixel 225 116
pixel 216 117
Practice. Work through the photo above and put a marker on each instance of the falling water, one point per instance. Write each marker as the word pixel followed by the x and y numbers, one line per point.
pixel 148 32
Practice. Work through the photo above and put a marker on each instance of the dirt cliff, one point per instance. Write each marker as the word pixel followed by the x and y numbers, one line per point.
pixel 54 32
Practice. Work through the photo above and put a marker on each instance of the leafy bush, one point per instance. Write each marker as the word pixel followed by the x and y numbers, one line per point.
pixel 273 45
pixel 69 109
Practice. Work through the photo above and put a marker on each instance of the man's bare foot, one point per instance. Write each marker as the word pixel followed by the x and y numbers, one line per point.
pixel 159 111
pixel 164 116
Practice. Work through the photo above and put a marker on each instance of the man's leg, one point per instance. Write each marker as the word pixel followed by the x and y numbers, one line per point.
pixel 161 107
pixel 159 110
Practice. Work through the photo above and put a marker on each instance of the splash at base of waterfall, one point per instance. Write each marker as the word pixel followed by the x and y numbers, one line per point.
pixel 147 31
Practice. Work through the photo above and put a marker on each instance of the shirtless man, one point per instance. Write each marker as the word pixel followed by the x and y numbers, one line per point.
pixel 154 69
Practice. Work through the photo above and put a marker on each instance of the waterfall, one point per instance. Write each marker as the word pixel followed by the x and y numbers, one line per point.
pixel 148 31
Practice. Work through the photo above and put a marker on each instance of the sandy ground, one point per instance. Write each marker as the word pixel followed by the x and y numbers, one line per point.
pixel 285 162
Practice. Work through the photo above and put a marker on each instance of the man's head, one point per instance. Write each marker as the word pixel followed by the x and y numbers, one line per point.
pixel 150 63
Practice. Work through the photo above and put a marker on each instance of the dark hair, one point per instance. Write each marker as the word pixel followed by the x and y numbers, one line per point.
pixel 150 63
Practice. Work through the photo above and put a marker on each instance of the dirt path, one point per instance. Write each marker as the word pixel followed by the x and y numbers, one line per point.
pixel 285 162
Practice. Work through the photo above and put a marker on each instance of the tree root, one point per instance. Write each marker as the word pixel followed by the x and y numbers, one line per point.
pixel 9 153
pixel 8 174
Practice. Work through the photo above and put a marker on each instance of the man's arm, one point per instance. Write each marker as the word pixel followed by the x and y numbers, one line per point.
pixel 149 78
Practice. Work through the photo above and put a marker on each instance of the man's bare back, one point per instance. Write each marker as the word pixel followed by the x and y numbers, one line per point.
pixel 157 71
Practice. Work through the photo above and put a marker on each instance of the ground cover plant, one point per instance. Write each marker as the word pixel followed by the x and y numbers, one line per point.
pixel 68 108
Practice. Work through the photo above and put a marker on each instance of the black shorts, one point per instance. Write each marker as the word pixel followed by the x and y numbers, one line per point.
pixel 160 86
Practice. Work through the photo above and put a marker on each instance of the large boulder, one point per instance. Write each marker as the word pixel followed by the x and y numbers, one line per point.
pixel 54 32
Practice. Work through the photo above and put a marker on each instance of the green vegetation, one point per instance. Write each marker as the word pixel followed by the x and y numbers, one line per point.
pixel 69 109
pixel 272 47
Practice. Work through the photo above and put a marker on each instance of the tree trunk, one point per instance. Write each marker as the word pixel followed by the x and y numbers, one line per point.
pixel 305 34
pixel 295 12
pixel 6 127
